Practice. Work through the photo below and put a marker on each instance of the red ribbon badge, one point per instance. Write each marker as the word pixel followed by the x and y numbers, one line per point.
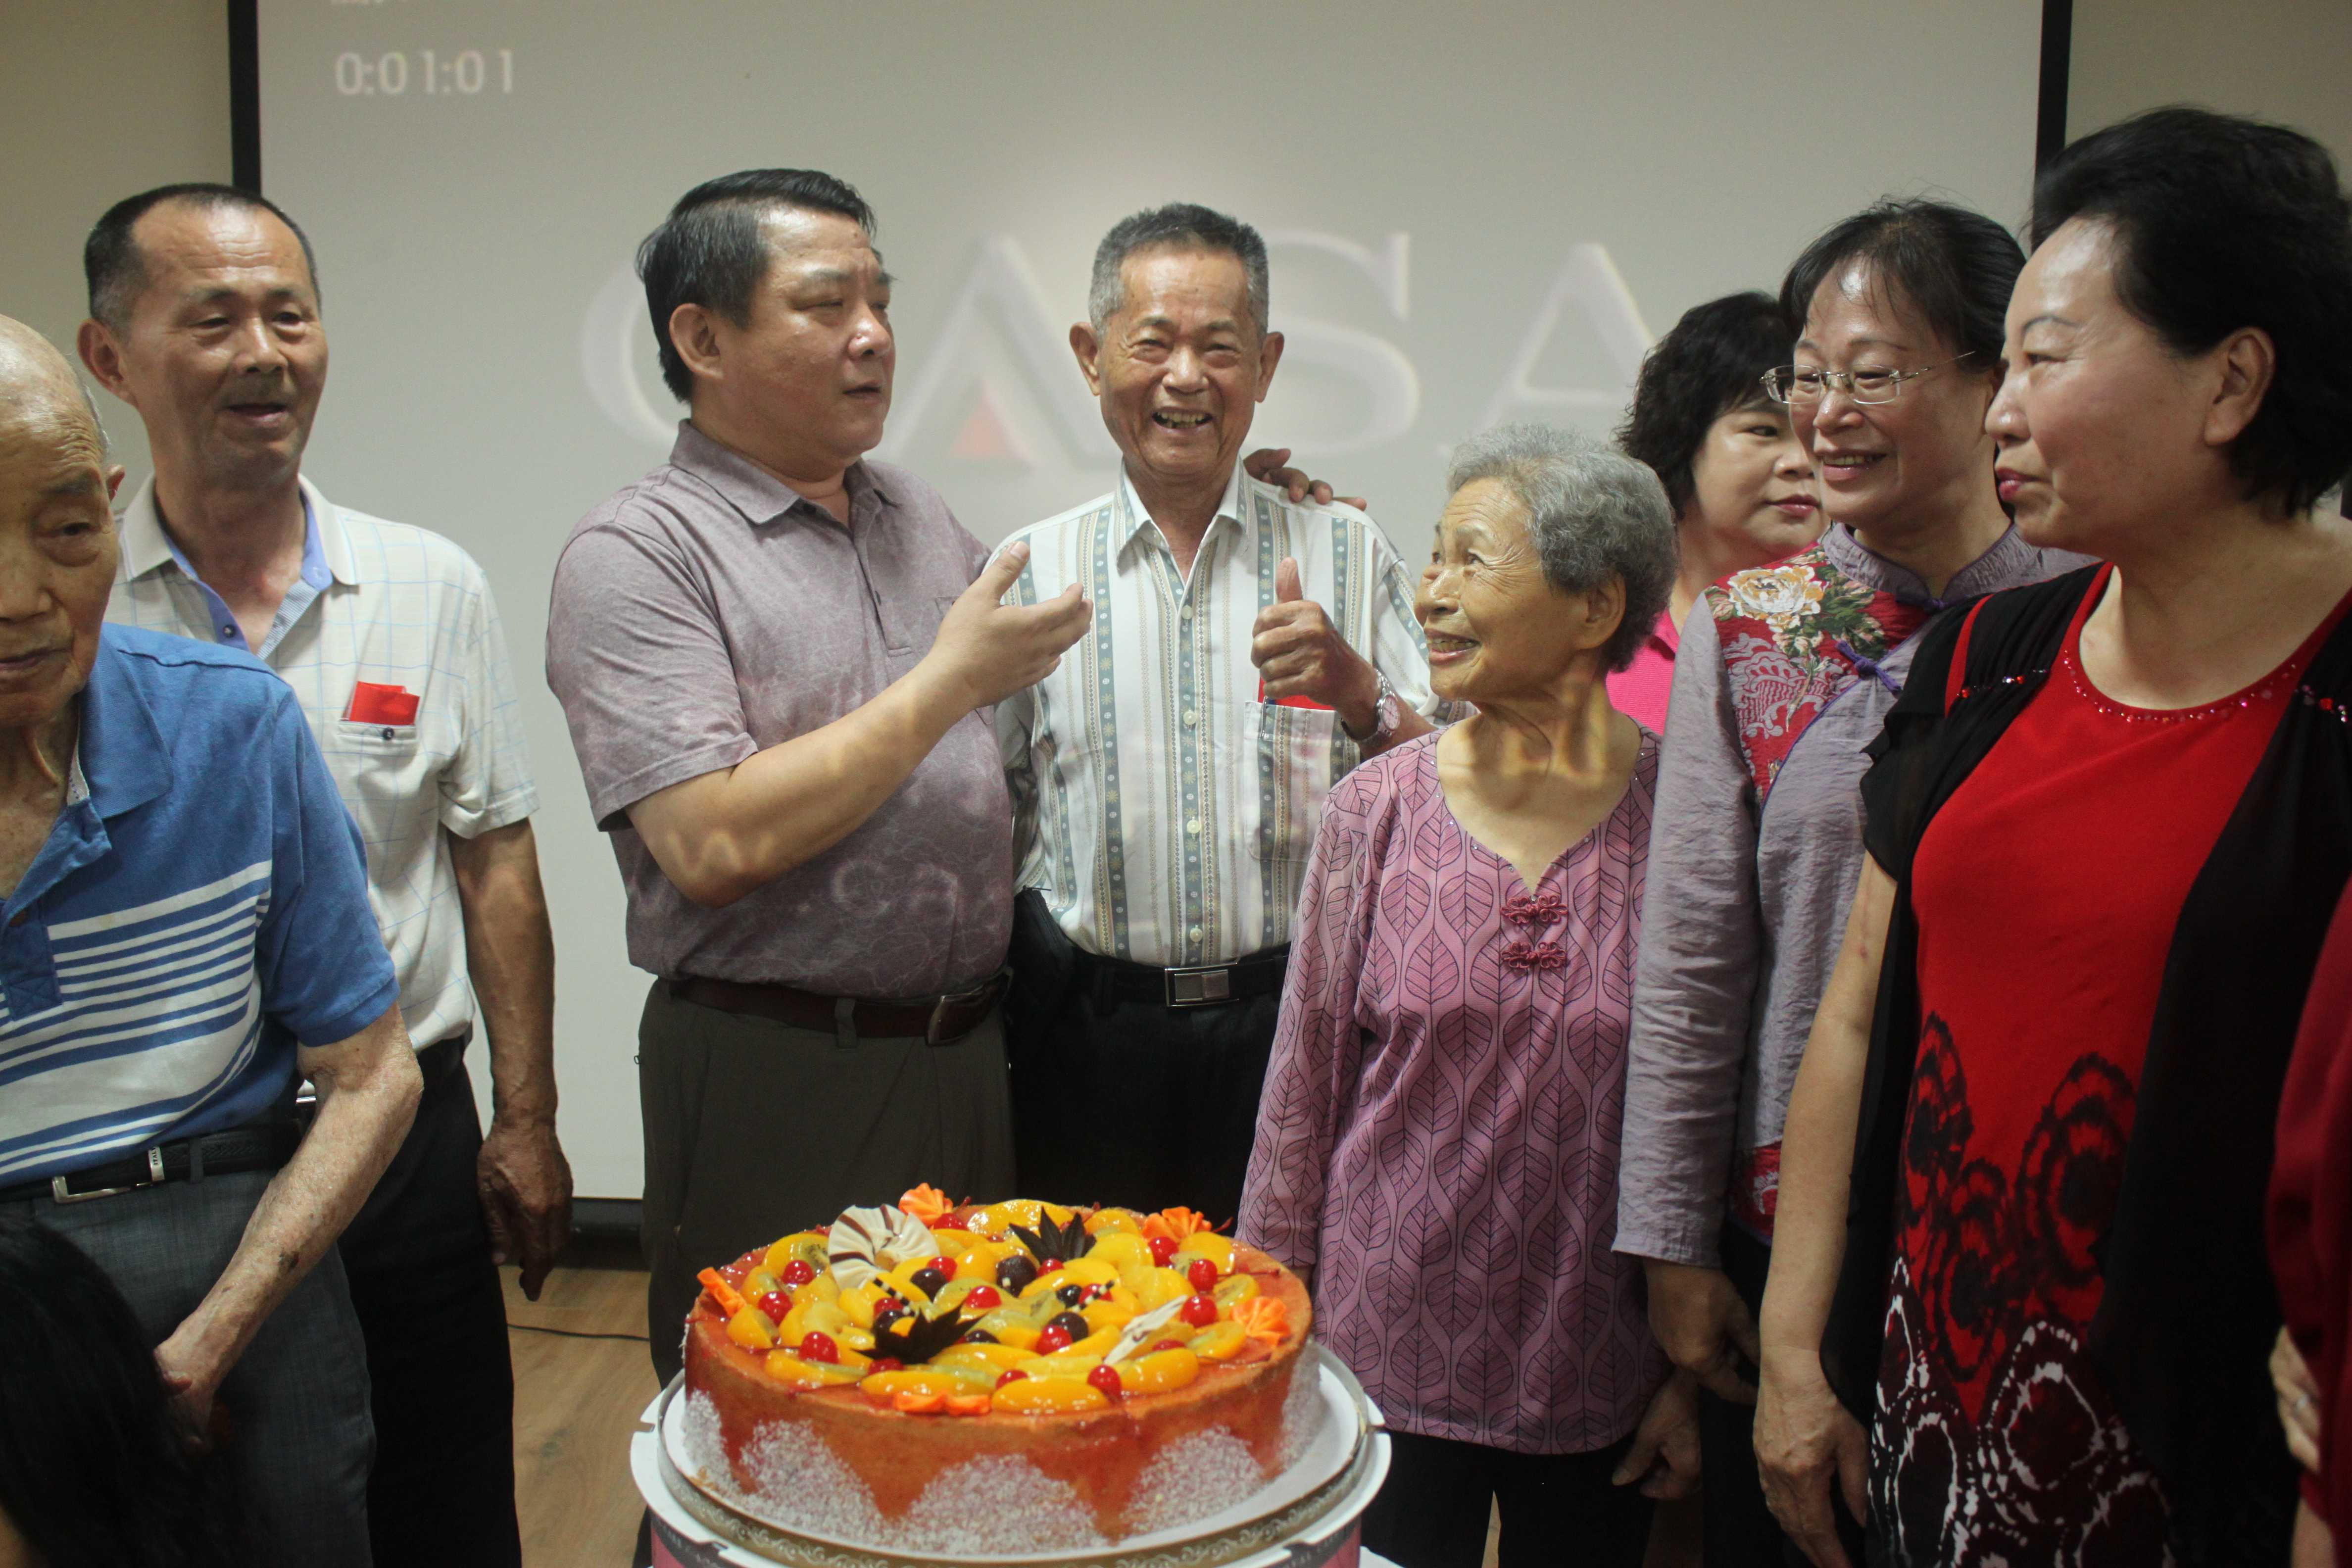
pixel 374 704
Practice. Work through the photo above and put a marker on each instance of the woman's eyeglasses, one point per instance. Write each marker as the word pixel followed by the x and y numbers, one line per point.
pixel 1804 383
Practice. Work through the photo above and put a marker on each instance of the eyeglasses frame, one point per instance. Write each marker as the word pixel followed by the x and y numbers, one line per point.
pixel 1843 379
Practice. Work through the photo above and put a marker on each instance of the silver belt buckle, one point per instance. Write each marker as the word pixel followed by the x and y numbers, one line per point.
pixel 1201 985
pixel 939 1010
pixel 154 1179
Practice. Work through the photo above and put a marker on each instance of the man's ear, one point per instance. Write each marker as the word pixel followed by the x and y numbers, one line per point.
pixel 1088 350
pixel 694 336
pixel 114 481
pixel 1269 355
pixel 103 358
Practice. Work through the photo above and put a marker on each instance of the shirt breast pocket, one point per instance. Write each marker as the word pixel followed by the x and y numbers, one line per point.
pixel 1288 760
pixel 384 772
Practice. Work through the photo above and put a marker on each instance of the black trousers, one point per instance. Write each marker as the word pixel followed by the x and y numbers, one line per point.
pixel 430 1308
pixel 1557 1508
pixel 1133 1103
pixel 1741 1532
pixel 754 1129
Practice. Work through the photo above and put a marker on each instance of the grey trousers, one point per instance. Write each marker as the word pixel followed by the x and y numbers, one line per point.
pixel 755 1129
pixel 297 1402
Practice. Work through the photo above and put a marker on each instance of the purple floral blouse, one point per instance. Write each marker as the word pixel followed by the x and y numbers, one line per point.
pixel 1440 1127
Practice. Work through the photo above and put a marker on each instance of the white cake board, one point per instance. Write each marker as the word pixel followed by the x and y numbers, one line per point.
pixel 1351 1447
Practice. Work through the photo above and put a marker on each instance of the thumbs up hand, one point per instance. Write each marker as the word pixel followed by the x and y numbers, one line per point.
pixel 1299 653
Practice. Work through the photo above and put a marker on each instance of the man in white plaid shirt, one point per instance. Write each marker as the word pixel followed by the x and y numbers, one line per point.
pixel 205 308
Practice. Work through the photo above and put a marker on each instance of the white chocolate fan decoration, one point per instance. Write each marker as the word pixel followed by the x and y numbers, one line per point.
pixel 865 1242
pixel 1141 1328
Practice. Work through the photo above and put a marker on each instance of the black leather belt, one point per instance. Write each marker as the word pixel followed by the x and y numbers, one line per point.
pixel 934 1020
pixel 1191 985
pixel 257 1146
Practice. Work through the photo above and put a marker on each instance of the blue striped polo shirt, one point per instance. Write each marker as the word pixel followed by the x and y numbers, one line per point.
pixel 200 907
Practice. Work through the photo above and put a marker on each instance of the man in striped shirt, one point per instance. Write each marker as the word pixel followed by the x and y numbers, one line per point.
pixel 1168 778
pixel 185 935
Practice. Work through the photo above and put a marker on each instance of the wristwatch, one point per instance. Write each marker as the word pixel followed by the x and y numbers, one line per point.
pixel 1387 714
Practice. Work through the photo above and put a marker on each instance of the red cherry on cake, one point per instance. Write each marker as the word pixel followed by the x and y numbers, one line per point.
pixel 1202 1274
pixel 945 1265
pixel 1163 1247
pixel 1199 1310
pixel 1106 1378
pixel 888 1364
pixel 1054 1337
pixel 1049 1265
pixel 798 1272
pixel 815 1346
pixel 1015 1375
pixel 981 1297
pixel 775 1303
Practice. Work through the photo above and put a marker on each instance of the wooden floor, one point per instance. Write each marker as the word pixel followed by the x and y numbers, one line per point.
pixel 577 1400
pixel 576 1403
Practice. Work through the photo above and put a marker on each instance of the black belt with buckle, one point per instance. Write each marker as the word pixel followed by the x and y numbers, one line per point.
pixel 257 1146
pixel 934 1020
pixel 1191 985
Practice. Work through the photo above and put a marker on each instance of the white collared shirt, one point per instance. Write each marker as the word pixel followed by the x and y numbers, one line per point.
pixel 405 608
pixel 1165 810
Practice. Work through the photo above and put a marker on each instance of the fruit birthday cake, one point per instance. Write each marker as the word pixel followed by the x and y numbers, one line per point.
pixel 1004 1377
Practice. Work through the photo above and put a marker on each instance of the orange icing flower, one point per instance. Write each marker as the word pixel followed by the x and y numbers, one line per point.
pixel 731 1301
pixel 927 1203
pixel 1262 1318
pixel 1176 1224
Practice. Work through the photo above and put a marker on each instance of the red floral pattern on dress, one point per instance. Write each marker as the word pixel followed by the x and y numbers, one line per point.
pixel 1996 1442
pixel 1791 633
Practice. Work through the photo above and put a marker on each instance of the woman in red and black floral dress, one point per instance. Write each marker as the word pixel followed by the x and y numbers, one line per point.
pixel 2020 1232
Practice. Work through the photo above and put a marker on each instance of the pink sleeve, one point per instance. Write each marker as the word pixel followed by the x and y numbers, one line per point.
pixel 1641 690
pixel 1318 1045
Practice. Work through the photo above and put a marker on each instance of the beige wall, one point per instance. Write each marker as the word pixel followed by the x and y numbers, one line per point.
pixel 2289 60
pixel 99 98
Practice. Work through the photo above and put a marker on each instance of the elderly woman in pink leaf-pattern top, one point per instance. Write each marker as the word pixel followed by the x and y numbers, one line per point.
pixel 1437 1144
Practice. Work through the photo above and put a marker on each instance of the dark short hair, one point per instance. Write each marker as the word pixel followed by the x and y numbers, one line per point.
pixel 91 1466
pixel 1180 226
pixel 1954 267
pixel 713 251
pixel 1712 363
pixel 116 270
pixel 2221 223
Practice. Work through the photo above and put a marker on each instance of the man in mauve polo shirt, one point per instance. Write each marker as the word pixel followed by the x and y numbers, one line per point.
pixel 778 662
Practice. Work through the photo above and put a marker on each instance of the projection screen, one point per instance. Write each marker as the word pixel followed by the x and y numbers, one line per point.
pixel 1476 213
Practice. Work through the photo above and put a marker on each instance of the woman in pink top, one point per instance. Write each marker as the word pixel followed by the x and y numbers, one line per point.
pixel 1437 1146
pixel 1738 477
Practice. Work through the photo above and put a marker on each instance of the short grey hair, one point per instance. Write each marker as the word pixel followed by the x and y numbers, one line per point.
pixel 1593 513
pixel 1181 226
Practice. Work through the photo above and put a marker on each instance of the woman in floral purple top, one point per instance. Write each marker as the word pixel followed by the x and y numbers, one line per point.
pixel 1437 1145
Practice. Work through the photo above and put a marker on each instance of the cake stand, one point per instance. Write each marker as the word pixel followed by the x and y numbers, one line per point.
pixel 1304 1518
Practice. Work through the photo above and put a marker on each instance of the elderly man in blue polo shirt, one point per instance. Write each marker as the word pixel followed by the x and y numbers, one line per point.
pixel 185 935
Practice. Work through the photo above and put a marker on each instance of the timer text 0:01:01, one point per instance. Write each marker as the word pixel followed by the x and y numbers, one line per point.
pixel 463 75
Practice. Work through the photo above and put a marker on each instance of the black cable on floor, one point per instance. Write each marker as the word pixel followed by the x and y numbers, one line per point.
pixel 572 1333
